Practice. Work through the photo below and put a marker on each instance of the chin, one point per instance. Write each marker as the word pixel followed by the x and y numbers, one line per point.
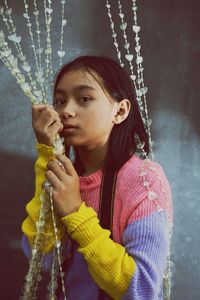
pixel 69 141
pixel 72 140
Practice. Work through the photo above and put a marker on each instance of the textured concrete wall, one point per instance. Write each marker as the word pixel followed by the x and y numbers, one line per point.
pixel 171 50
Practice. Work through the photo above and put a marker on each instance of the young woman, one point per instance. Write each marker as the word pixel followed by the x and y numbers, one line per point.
pixel 95 111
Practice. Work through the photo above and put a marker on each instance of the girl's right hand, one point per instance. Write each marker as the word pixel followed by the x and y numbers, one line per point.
pixel 46 123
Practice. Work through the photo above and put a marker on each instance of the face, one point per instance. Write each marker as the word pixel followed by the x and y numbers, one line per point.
pixel 80 101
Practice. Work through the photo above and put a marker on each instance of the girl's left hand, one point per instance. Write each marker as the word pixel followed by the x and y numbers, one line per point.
pixel 65 183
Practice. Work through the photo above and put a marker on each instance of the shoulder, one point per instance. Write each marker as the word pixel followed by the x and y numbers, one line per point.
pixel 138 172
pixel 144 187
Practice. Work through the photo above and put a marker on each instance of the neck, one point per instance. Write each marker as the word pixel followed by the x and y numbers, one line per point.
pixel 92 158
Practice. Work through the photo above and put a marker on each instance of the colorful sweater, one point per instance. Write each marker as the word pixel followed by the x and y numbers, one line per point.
pixel 131 266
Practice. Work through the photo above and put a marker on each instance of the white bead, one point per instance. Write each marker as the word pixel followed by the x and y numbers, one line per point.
pixel 64 22
pixel 139 80
pixel 142 173
pixel 137 48
pixel 36 13
pixel 133 77
pixel 144 90
pixel 152 195
pixel 61 53
pixel 6 53
pixel 49 10
pixel 116 44
pixel 26 16
pixel 139 60
pixel 123 26
pixel 14 38
pixel 26 67
pixel 129 57
pixel 127 45
pixel 57 244
pixel 159 209
pixel 26 86
pixel 34 251
pixel 140 70
pixel 39 50
pixel 136 28
pixel 38 93
pixel 119 54
pixel 149 122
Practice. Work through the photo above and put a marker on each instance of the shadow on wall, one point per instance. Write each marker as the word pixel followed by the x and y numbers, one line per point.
pixel 16 189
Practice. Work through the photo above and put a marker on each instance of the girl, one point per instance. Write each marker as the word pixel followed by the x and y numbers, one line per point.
pixel 95 111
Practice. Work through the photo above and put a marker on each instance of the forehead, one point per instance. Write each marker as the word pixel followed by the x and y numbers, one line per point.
pixel 74 78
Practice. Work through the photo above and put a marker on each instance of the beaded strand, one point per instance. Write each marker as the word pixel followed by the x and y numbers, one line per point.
pixel 152 196
pixel 138 80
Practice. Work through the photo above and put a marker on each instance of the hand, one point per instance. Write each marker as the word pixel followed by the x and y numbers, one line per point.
pixel 65 182
pixel 46 123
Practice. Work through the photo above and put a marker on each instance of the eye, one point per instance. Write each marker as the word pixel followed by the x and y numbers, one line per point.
pixel 85 99
pixel 58 102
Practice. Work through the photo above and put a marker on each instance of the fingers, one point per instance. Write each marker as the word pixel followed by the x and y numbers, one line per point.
pixel 58 169
pixel 57 126
pixel 44 115
pixel 56 174
pixel 46 123
pixel 36 110
pixel 66 162
pixel 53 179
pixel 61 167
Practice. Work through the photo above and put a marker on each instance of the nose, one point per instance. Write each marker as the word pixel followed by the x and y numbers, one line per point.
pixel 69 110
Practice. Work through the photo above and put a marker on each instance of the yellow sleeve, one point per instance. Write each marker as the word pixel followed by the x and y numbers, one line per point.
pixel 108 263
pixel 45 154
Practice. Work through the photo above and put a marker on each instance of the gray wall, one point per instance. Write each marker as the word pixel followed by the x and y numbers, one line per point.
pixel 171 49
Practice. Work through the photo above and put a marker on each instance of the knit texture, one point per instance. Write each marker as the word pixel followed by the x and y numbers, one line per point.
pixel 94 242
pixel 45 154
pixel 131 266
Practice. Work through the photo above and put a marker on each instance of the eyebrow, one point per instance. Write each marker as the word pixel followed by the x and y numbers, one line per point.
pixel 78 88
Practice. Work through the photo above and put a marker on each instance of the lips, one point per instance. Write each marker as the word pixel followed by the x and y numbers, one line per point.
pixel 69 126
pixel 67 129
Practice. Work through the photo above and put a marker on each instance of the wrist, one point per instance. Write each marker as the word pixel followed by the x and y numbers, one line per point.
pixel 81 218
pixel 44 139
pixel 45 142
pixel 69 212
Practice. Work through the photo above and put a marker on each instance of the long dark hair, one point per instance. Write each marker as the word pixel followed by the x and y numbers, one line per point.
pixel 116 82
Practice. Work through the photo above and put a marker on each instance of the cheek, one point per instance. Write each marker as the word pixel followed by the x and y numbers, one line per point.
pixel 98 123
pixel 100 114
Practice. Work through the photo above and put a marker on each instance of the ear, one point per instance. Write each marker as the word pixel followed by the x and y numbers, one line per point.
pixel 123 109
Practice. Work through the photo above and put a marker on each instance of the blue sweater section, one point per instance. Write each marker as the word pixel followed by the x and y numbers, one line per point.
pixel 146 240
